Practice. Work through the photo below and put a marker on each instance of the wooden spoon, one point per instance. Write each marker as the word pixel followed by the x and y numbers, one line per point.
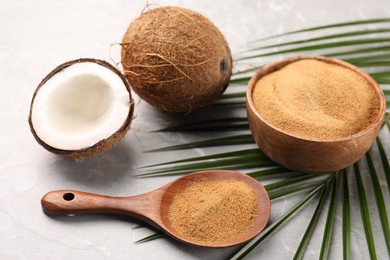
pixel 153 207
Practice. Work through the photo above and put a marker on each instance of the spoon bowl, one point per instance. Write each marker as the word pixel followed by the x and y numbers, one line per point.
pixel 153 207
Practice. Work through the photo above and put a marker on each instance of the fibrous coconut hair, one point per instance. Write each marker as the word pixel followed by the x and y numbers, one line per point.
pixel 176 59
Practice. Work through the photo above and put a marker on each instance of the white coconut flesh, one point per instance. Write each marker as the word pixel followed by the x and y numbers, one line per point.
pixel 79 106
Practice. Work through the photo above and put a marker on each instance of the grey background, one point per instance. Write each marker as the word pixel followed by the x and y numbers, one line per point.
pixel 36 36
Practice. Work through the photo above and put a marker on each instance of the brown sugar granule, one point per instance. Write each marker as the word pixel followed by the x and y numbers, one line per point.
pixel 316 100
pixel 214 210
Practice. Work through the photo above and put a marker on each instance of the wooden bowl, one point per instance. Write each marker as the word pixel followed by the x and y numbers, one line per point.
pixel 302 154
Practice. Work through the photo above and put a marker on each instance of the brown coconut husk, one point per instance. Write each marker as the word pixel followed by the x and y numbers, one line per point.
pixel 102 145
pixel 176 59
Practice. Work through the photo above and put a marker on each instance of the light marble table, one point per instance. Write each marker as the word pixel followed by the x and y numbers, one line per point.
pixel 35 37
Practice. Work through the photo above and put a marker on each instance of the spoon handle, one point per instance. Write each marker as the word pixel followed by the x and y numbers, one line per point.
pixel 77 202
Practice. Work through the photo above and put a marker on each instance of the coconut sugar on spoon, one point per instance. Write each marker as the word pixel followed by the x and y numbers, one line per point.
pixel 214 210
pixel 316 100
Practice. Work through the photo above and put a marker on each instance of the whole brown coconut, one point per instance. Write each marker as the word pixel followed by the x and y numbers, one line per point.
pixel 176 59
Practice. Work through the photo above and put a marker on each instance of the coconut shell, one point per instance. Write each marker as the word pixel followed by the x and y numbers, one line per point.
pixel 102 145
pixel 176 59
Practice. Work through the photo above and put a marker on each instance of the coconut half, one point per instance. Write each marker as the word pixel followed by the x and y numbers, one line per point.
pixel 82 108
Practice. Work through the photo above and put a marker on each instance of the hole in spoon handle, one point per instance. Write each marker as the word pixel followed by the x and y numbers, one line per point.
pixel 77 202
pixel 68 196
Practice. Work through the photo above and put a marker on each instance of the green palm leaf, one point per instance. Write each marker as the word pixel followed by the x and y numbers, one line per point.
pixel 346 219
pixel 377 57
pixel 335 25
pixel 310 228
pixel 380 202
pixel 370 53
pixel 385 74
pixel 331 36
pixel 230 140
pixel 299 183
pixel 371 49
pixel 269 172
pixel 231 104
pixel 234 95
pixel 387 121
pixel 232 160
pixel 233 163
pixel 373 64
pixel 326 240
pixel 236 154
pixel 281 192
pixel 150 238
pixel 365 213
pixel 240 79
pixel 380 77
pixel 294 180
pixel 220 124
pixel 385 162
pixel 321 46
pixel 379 60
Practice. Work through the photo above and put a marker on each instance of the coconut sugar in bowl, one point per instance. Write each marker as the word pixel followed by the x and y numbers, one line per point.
pixel 314 114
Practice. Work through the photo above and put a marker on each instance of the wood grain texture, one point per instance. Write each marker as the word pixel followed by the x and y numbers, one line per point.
pixel 153 207
pixel 311 156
